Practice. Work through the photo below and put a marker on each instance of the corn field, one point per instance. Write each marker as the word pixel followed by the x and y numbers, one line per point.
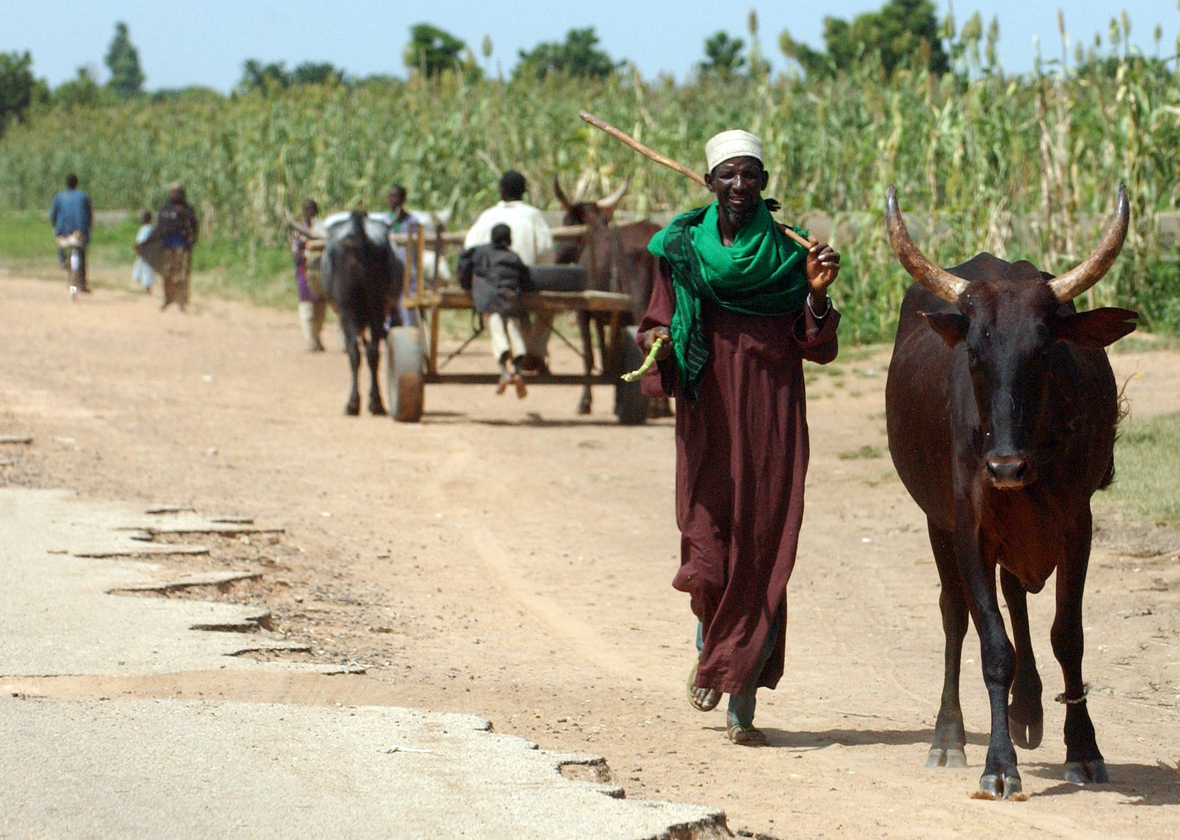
pixel 1023 167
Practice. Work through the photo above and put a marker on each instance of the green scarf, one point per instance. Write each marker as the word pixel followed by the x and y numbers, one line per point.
pixel 762 273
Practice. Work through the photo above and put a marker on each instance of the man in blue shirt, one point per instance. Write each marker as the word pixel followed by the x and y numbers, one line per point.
pixel 71 213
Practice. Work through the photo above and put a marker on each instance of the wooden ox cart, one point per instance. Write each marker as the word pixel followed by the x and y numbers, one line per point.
pixel 413 356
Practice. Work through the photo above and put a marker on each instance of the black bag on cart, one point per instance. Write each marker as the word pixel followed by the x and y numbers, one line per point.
pixel 559 278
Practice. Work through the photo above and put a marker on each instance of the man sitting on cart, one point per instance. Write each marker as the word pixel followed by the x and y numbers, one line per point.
pixel 532 241
pixel 496 276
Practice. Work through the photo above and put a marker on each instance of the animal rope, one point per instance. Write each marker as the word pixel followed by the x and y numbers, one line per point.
pixel 647 362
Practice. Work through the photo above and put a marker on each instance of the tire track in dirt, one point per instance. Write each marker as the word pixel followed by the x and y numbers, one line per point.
pixel 510 574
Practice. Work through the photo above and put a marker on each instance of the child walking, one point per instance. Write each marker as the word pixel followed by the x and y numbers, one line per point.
pixel 142 273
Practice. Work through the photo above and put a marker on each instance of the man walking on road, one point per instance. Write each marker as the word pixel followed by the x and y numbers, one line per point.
pixel 738 306
pixel 177 230
pixel 70 214
pixel 402 221
pixel 312 303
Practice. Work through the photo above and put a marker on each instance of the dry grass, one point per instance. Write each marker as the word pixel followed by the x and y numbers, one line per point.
pixel 1147 477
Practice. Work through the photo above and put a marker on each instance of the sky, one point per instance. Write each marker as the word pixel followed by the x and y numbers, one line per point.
pixel 205 43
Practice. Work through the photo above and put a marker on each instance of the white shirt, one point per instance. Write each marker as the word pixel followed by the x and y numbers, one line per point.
pixel 531 238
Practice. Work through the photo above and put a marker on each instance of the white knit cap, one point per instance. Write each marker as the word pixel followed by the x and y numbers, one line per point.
pixel 730 144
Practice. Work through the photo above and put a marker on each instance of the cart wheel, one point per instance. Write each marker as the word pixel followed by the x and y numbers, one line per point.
pixel 403 374
pixel 630 403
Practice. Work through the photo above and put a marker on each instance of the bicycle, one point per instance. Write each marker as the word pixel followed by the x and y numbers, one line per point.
pixel 74 250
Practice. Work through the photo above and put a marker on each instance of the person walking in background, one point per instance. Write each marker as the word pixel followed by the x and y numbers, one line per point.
pixel 177 231
pixel 72 214
pixel 312 305
pixel 532 241
pixel 401 221
pixel 142 273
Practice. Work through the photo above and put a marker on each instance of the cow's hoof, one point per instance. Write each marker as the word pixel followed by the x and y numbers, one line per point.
pixel 1086 772
pixel 939 757
pixel 992 786
pixel 377 409
pixel 1027 736
pixel 353 408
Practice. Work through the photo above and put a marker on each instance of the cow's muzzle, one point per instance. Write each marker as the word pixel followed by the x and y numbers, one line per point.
pixel 1010 472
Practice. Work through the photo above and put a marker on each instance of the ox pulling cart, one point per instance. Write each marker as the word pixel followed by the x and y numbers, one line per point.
pixel 413 352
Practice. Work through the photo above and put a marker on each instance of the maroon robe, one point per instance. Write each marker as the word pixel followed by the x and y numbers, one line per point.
pixel 741 461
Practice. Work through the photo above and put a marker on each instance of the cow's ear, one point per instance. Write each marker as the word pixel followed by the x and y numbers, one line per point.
pixel 1096 328
pixel 952 326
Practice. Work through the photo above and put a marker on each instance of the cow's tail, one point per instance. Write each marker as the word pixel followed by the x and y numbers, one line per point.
pixel 1124 409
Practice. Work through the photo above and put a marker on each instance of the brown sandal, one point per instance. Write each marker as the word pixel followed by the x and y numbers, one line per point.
pixel 746 736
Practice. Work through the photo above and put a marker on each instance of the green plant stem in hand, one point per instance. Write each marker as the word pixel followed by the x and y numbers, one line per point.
pixel 647 362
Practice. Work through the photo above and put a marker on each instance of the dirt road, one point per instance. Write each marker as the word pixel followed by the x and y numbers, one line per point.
pixel 511 559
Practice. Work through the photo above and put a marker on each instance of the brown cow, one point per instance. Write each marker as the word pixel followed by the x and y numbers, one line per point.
pixel 1001 409
pixel 620 261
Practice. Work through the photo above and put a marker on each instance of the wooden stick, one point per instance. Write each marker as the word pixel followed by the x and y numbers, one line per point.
pixel 642 149
pixel 628 140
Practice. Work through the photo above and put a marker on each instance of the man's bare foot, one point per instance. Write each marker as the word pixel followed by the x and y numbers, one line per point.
pixel 704 699
pixel 701 699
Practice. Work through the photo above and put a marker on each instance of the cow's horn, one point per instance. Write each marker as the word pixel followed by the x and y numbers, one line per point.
pixel 608 204
pixel 937 280
pixel 1077 280
pixel 559 193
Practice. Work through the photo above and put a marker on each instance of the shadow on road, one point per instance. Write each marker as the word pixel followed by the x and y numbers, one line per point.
pixel 853 738
pixel 1142 784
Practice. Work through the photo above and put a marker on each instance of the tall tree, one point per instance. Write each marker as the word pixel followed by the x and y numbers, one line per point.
pixel 123 62
pixel 431 50
pixel 579 55
pixel 902 33
pixel 723 55
pixel 263 77
pixel 317 73
pixel 81 90
pixel 16 86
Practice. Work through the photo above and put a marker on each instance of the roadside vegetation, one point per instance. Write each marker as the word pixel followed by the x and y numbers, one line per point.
pixel 1147 463
pixel 1022 166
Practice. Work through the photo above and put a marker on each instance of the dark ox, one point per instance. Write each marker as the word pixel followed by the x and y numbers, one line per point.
pixel 363 280
pixel 1001 409
pixel 616 260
